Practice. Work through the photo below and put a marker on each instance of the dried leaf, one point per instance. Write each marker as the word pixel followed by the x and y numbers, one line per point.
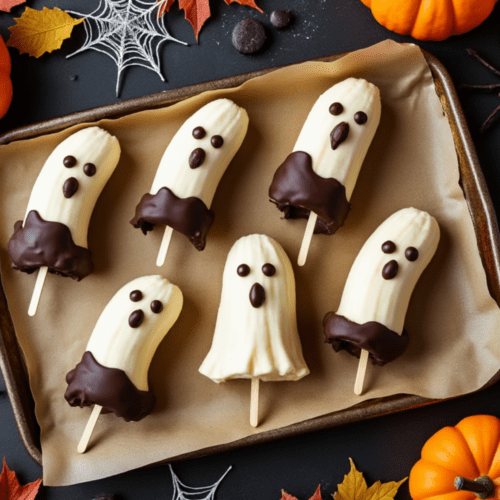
pixel 11 489
pixel 198 11
pixel 316 496
pixel 354 487
pixel 37 32
pixel 6 5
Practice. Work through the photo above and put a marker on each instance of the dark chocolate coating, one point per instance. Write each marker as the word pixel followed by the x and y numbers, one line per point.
pixel 257 295
pixel 90 383
pixel 190 216
pixel 296 190
pixel 383 344
pixel 44 243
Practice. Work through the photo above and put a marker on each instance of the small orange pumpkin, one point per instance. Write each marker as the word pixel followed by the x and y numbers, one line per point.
pixel 5 81
pixel 470 451
pixel 430 19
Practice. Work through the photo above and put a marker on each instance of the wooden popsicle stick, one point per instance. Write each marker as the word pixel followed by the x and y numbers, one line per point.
pixel 360 375
pixel 254 403
pixel 89 429
pixel 306 240
pixel 37 291
pixel 165 242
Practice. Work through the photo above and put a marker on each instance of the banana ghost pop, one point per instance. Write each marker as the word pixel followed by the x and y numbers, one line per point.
pixel 113 372
pixel 371 315
pixel 317 179
pixel 256 333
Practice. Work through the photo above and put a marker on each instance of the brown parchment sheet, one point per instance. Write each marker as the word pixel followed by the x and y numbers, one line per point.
pixel 452 320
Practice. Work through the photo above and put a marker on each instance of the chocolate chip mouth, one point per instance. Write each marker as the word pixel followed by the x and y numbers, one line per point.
pixel 257 295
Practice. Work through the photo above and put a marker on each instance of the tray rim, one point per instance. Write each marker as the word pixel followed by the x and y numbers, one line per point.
pixel 477 197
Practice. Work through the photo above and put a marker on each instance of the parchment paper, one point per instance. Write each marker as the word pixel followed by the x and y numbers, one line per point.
pixel 452 320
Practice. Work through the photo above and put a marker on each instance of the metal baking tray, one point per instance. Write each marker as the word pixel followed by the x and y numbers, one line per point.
pixel 475 191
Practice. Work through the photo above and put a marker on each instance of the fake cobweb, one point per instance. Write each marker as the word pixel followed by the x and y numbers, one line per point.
pixel 129 31
pixel 184 492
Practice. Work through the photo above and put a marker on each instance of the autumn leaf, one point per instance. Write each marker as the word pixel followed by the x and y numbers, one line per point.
pixel 37 32
pixel 6 5
pixel 354 487
pixel 198 11
pixel 316 496
pixel 11 489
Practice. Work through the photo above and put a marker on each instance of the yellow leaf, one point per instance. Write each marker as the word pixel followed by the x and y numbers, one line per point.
pixel 37 32
pixel 382 491
pixel 354 488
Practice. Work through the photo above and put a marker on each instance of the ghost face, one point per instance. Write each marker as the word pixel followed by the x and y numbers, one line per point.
pixel 339 129
pixel 201 150
pixel 256 330
pixel 387 268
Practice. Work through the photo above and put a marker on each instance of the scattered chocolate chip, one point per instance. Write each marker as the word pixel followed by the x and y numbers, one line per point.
pixel 388 247
pixel 70 187
pixel 248 36
pixel 411 253
pixel 135 296
pixel 339 134
pixel 390 270
pixel 281 18
pixel 243 270
pixel 199 133
pixel 360 118
pixel 136 318
pixel 336 108
pixel 217 141
pixel 196 158
pixel 69 161
pixel 89 169
pixel 156 306
pixel 257 295
pixel 268 269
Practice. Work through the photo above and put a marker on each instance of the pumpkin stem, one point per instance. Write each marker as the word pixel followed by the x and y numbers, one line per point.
pixel 483 486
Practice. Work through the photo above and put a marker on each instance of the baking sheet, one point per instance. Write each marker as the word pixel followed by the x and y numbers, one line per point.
pixel 452 318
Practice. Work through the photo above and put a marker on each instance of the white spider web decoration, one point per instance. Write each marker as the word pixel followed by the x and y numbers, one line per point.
pixel 128 31
pixel 184 492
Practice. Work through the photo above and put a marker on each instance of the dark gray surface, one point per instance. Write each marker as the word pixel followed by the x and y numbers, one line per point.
pixel 384 448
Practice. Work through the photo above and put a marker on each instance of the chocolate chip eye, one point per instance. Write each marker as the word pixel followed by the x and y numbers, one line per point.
pixel 156 306
pixel 69 161
pixel 388 247
pixel 411 253
pixel 199 133
pixel 135 296
pixel 217 141
pixel 136 318
pixel 336 108
pixel 360 118
pixel 89 169
pixel 268 269
pixel 243 270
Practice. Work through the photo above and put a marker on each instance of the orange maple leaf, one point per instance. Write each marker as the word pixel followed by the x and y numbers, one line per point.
pixel 6 5
pixel 316 496
pixel 11 489
pixel 198 11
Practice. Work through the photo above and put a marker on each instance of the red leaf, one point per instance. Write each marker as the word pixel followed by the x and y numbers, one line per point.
pixel 6 5
pixel 317 494
pixel 12 490
pixel 197 11
pixel 286 496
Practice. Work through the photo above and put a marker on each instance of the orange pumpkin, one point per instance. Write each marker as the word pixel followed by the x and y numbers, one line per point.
pixel 430 19
pixel 5 81
pixel 470 451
